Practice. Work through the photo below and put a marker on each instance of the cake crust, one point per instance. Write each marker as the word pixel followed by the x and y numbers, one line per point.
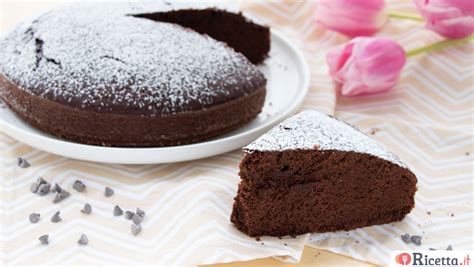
pixel 107 129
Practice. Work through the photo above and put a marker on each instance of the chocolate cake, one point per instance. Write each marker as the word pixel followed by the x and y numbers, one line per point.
pixel 314 173
pixel 135 74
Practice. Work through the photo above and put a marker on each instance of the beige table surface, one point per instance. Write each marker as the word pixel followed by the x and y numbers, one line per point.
pixel 13 12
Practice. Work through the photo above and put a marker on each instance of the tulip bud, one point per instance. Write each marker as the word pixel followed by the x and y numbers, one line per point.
pixel 351 17
pixel 366 65
pixel 450 18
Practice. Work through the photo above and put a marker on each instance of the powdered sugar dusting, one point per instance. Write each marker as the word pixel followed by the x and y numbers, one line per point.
pixel 102 58
pixel 313 130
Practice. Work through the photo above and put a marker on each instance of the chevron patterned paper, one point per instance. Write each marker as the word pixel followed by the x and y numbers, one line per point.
pixel 427 120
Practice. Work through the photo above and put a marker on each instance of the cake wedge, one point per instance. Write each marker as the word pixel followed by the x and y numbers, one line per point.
pixel 315 173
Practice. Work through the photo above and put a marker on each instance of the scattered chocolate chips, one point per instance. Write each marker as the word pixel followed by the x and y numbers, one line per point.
pixel 137 219
pixel 108 192
pixel 406 238
pixel 43 189
pixel 87 209
pixel 56 218
pixel 117 211
pixel 416 239
pixel 450 247
pixel 129 215
pixel 34 217
pixel 83 240
pixel 23 163
pixel 44 239
pixel 136 228
pixel 61 195
pixel 79 186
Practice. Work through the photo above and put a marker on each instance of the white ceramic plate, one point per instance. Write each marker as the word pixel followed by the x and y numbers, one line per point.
pixel 287 84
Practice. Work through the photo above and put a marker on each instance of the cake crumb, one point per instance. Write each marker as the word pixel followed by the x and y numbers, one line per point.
pixel 257 239
pixel 428 212
pixel 373 131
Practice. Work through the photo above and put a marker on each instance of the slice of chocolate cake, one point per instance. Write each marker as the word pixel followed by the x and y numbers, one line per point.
pixel 314 173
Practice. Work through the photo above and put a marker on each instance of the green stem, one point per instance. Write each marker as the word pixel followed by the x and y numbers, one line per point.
pixel 439 45
pixel 400 15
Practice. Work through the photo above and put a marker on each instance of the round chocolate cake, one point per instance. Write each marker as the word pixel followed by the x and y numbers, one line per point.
pixel 135 75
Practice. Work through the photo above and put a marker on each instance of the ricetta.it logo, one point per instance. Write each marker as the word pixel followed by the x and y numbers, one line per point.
pixel 403 258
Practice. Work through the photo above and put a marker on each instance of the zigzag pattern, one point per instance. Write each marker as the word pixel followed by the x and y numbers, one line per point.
pixel 443 214
pixel 426 120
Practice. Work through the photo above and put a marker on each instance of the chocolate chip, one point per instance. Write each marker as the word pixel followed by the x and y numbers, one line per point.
pixel 416 239
pixel 108 192
pixel 450 247
pixel 60 196
pixel 406 238
pixel 79 186
pixel 43 189
pixel 136 228
pixel 140 212
pixel 44 239
pixel 34 217
pixel 117 211
pixel 34 188
pixel 87 209
pixel 40 181
pixel 83 240
pixel 23 163
pixel 56 218
pixel 57 188
pixel 129 215
pixel 137 219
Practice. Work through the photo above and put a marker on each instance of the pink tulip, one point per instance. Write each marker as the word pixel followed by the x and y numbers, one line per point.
pixel 366 65
pixel 351 17
pixel 449 18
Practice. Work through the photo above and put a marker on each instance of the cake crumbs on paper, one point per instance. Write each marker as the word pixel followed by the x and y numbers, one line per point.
pixel 373 131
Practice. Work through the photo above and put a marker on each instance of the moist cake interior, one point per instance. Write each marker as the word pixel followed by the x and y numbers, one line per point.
pixel 235 30
pixel 297 192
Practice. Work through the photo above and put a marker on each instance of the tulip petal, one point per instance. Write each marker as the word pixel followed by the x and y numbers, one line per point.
pixel 449 18
pixel 369 65
pixel 351 17
pixel 337 57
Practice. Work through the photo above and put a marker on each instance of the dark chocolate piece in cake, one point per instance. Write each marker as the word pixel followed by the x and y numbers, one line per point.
pixel 314 173
pixel 103 74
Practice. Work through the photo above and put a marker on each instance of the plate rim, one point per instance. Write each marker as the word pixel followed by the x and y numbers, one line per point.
pixel 28 137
